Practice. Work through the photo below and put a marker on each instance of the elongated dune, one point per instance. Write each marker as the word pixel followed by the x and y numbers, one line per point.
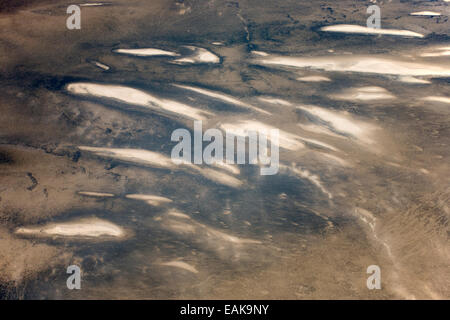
pixel 370 64
pixel 197 56
pixel 146 52
pixel 341 123
pixel 96 194
pixel 180 265
pixel 243 128
pixel 364 94
pixel 222 97
pixel 83 228
pixel 158 160
pixel 149 199
pixel 350 28
pixel 425 13
pixel 135 97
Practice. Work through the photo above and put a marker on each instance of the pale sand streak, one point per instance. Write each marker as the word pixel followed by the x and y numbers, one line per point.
pixel 181 265
pixel 275 101
pixel 101 65
pixel 149 199
pixel 360 64
pixel 318 143
pixel 242 128
pixel 408 79
pixel 349 28
pixel 198 55
pixel 154 159
pixel 192 227
pixel 341 123
pixel 137 97
pixel 437 99
pixel 314 79
pixel 95 194
pixel 178 214
pixel 221 96
pixel 437 52
pixel 425 13
pixel 305 174
pixel 92 228
pixel 146 52
pixel 363 94
pixel 94 4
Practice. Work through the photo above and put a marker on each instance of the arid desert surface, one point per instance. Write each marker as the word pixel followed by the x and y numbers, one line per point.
pixel 86 176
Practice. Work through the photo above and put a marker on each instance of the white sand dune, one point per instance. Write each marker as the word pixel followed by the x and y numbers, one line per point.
pixel 146 52
pixel 242 128
pixel 260 53
pixel 318 129
pixel 220 177
pixel 178 214
pixel 95 194
pixel 408 79
pixel 318 143
pixel 101 65
pixel 277 101
pixel 437 52
pixel 136 97
pixel 375 64
pixel 197 56
pixel 341 123
pixel 139 156
pixel 364 94
pixel 425 13
pixel 350 28
pixel 94 4
pixel 437 99
pixel 227 167
pixel 330 157
pixel 205 233
pixel 180 264
pixel 222 97
pixel 314 79
pixel 149 199
pixel 91 228
pixel 157 160
pixel 305 174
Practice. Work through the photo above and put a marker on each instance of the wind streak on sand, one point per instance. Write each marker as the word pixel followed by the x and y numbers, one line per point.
pixel 202 232
pixel 363 94
pixel 437 52
pixel 146 52
pixel 149 199
pixel 223 97
pixel 313 79
pixel 243 128
pixel 350 28
pixel 305 174
pixel 154 159
pixel 181 265
pixel 375 64
pixel 91 228
pixel 197 55
pixel 425 13
pixel 96 194
pixel 437 99
pixel 339 123
pixel 137 97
